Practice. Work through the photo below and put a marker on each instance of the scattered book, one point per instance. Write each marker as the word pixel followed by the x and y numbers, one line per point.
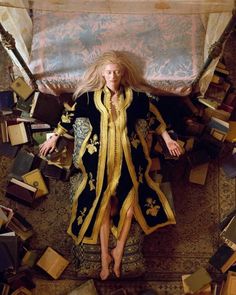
pixel 21 227
pixel 223 258
pixel 21 192
pixel 46 108
pixel 228 235
pixel 8 253
pixel 35 179
pixel 6 100
pixel 24 105
pixel 22 164
pixel 52 262
pixel 203 291
pixel 198 174
pixel 4 132
pixel 229 287
pixel 88 287
pixel 197 281
pixel 30 257
pixel 18 133
pixel 229 165
pixel 22 291
pixel 21 88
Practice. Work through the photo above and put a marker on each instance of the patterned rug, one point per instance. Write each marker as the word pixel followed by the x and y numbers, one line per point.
pixel 171 252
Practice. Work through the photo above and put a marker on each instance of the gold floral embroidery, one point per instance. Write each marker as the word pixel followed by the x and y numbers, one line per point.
pixel 140 174
pixel 67 117
pixel 134 140
pixel 152 208
pixel 92 145
pixel 81 216
pixel 91 182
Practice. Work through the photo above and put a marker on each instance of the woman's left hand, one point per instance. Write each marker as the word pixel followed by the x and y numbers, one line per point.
pixel 174 148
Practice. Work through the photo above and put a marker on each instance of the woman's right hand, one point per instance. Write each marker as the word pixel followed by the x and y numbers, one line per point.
pixel 49 145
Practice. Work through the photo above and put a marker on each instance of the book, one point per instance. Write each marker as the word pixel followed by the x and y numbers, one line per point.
pixel 6 100
pixel 231 135
pixel 7 150
pixel 35 179
pixel 198 174
pixel 4 132
pixel 21 88
pixel 3 218
pixel 217 91
pixel 218 134
pixel 8 212
pixel 9 252
pixel 47 108
pixel 21 192
pixel 225 221
pixel 198 280
pixel 228 165
pixel 229 287
pixel 228 235
pixel 206 290
pixel 223 258
pixel 17 134
pixel 52 262
pixel 22 291
pixel 30 258
pixel 24 105
pixel 23 234
pixel 4 289
pixel 23 278
pixel 88 287
pixel 198 157
pixel 218 124
pixel 22 164
pixel 209 102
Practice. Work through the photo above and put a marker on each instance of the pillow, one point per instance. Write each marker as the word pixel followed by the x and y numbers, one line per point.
pixel 87 288
pixel 87 257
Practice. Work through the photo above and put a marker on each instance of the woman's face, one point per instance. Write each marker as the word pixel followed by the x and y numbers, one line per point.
pixel 112 73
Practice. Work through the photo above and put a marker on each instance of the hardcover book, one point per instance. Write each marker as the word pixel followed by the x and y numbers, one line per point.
pixel 4 132
pixel 88 287
pixel 9 252
pixel 24 105
pixel 6 100
pixel 52 262
pixel 228 235
pixel 22 164
pixel 21 192
pixel 198 174
pixel 21 88
pixel 223 258
pixel 47 108
pixel 229 165
pixel 230 284
pixel 17 134
pixel 35 179
pixel 198 280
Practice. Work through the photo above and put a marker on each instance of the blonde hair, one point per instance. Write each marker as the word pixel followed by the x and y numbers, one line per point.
pixel 93 79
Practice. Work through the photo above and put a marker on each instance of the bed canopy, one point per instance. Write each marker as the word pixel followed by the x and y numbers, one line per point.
pixel 180 41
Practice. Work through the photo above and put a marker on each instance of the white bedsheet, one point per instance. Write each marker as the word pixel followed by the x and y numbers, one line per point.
pixel 168 48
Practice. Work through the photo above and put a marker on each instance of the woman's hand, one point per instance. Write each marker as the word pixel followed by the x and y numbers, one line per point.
pixel 172 145
pixel 49 145
pixel 174 148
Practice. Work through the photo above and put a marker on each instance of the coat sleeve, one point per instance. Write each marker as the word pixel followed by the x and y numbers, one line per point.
pixel 78 110
pixel 160 125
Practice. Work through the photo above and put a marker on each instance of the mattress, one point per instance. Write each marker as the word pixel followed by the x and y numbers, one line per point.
pixel 167 48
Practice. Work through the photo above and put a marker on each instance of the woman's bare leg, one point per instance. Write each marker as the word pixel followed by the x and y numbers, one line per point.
pixel 117 252
pixel 104 239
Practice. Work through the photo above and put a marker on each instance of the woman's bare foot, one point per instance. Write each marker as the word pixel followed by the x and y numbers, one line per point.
pixel 117 256
pixel 105 271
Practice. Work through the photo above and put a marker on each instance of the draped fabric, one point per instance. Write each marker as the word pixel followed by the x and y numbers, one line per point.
pixel 14 16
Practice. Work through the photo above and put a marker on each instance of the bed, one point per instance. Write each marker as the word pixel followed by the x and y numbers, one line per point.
pixel 58 39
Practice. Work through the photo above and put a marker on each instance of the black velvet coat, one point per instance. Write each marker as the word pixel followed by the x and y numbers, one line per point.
pixel 114 161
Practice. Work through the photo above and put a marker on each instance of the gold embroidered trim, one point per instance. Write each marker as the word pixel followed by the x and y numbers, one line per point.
pixel 60 130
